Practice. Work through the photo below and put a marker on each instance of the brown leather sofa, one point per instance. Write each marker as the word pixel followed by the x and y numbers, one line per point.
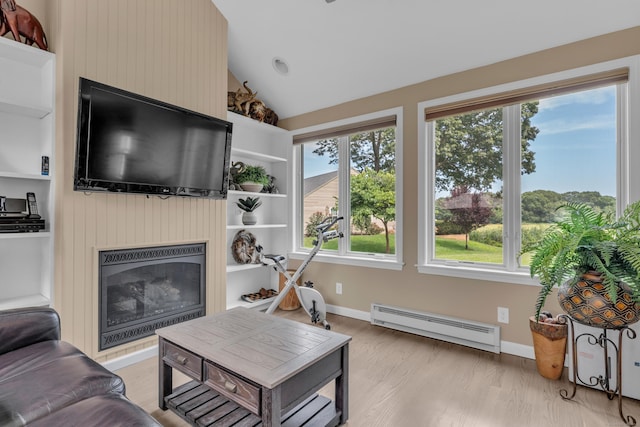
pixel 48 382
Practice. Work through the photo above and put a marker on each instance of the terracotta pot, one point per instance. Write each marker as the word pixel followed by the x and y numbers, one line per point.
pixel 588 302
pixel 550 347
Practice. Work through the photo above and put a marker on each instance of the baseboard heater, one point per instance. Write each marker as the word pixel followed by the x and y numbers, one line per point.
pixel 482 336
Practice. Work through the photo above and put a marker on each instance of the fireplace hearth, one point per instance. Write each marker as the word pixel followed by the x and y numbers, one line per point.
pixel 143 289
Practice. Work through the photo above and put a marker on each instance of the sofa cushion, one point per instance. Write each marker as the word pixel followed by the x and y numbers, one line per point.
pixel 113 410
pixel 34 356
pixel 48 386
pixel 25 326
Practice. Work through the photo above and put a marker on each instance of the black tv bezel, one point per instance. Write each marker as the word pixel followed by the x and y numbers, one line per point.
pixel 82 183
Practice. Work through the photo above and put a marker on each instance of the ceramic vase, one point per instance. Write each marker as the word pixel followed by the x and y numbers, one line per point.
pixel 249 218
pixel 588 302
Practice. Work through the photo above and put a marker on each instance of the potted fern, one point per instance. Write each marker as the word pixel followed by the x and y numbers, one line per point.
pixel 252 178
pixel 594 260
pixel 249 205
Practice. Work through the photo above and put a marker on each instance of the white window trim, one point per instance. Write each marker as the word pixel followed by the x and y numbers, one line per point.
pixel 390 262
pixel 628 143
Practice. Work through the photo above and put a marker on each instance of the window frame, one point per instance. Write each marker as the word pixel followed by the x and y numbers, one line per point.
pixel 628 105
pixel 344 256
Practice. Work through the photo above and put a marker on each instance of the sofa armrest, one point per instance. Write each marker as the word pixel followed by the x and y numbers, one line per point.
pixel 21 327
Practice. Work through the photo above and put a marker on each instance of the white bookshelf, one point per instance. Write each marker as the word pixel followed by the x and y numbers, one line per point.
pixel 27 100
pixel 257 143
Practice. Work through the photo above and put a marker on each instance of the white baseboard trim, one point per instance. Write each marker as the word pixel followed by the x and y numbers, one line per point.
pixel 516 349
pixel 130 359
pixel 507 347
pixel 349 312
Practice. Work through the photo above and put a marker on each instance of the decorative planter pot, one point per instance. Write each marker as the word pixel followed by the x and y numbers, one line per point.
pixel 249 218
pixel 588 302
pixel 549 346
pixel 253 187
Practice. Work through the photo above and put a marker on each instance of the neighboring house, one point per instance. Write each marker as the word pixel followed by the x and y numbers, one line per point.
pixel 320 195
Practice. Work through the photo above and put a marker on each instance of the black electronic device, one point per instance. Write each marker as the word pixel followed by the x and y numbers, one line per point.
pixel 20 225
pixel 133 144
pixel 32 206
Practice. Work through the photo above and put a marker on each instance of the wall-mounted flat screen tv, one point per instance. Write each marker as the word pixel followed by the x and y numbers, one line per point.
pixel 133 144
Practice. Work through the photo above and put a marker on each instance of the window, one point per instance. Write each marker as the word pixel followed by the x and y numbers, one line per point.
pixel 503 162
pixel 349 170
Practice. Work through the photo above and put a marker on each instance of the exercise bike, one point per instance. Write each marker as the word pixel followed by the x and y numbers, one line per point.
pixel 310 299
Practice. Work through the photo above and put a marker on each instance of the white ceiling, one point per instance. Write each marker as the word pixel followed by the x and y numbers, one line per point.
pixel 349 49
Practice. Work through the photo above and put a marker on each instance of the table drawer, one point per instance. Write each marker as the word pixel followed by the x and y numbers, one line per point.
pixel 182 360
pixel 232 386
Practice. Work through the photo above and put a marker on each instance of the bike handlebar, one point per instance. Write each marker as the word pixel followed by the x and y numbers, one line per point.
pixel 323 234
pixel 324 225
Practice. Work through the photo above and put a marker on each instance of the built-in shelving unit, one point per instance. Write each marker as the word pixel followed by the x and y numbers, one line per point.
pixel 27 100
pixel 257 143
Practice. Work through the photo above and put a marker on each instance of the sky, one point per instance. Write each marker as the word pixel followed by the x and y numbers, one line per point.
pixel 575 149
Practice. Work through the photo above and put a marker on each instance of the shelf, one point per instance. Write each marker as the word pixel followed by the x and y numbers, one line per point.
pixel 37 111
pixel 37 300
pixel 17 175
pixel 24 54
pixel 26 235
pixel 239 152
pixel 231 268
pixel 252 194
pixel 239 119
pixel 253 227
pixel 263 303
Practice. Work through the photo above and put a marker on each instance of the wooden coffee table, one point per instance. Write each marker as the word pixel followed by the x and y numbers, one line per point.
pixel 250 368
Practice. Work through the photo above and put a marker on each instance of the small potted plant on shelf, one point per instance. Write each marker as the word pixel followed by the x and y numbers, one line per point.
pixel 249 205
pixel 594 260
pixel 252 178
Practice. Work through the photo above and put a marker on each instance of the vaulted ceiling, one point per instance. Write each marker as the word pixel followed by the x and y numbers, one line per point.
pixel 342 50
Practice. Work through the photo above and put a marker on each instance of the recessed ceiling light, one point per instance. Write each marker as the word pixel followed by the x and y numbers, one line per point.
pixel 280 65
pixel 329 1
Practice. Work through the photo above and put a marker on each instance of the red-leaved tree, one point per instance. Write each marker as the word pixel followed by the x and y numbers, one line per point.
pixel 469 210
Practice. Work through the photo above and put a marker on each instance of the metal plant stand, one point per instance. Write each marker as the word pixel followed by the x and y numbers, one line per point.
pixel 601 381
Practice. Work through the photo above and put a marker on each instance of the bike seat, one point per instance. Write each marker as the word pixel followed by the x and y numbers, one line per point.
pixel 274 257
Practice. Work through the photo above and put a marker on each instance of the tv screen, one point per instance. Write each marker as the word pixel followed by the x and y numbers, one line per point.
pixel 133 144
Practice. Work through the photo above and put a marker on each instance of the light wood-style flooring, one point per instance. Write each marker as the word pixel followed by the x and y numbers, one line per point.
pixel 403 380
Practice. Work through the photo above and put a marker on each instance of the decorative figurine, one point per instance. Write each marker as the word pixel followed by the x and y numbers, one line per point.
pixel 21 22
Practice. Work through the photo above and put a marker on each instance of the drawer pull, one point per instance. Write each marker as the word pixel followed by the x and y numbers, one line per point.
pixel 230 386
pixel 182 360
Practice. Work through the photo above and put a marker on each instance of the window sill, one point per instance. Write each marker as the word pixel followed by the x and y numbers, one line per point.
pixel 369 262
pixel 475 272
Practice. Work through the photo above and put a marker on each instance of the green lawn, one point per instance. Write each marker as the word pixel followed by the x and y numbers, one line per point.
pixel 446 248
pixel 369 244
pixel 478 252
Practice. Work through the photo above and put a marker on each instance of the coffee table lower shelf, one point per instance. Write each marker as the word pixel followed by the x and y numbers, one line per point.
pixel 201 406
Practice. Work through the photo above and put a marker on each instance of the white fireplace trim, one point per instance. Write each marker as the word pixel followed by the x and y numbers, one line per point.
pixel 131 358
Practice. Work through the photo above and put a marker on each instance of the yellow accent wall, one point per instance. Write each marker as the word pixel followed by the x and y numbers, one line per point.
pixel 171 50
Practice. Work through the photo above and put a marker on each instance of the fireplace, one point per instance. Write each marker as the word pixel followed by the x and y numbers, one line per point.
pixel 143 289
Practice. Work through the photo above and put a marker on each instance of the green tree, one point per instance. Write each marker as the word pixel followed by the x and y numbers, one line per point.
pixel 373 194
pixel 539 206
pixel 469 148
pixel 598 202
pixel 372 149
